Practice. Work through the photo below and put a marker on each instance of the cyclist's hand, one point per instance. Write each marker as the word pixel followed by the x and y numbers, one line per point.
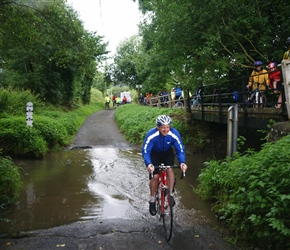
pixel 150 168
pixel 183 167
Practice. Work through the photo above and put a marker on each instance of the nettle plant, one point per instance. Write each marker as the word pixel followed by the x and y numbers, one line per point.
pixel 251 194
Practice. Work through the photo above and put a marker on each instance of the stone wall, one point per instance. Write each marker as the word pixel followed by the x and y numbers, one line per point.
pixel 279 130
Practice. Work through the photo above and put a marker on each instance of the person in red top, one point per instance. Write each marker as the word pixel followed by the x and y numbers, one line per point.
pixel 275 81
pixel 124 99
pixel 114 100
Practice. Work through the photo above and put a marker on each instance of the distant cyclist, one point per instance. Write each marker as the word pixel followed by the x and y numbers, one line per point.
pixel 107 102
pixel 158 148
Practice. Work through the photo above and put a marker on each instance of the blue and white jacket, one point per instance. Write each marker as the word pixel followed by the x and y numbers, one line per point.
pixel 155 141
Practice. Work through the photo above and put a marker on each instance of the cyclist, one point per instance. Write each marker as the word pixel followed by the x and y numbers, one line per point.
pixel 258 79
pixel 107 100
pixel 158 148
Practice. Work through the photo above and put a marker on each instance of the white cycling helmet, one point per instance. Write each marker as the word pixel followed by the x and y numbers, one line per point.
pixel 163 120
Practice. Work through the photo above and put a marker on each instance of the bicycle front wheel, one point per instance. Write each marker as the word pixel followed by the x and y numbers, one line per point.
pixel 167 217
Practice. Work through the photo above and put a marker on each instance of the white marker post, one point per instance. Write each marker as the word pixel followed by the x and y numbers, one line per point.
pixel 29 114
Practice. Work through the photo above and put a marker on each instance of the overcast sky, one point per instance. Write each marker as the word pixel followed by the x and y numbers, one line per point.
pixel 114 19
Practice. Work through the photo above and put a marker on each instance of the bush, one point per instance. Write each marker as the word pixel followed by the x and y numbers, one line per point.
pixel 14 102
pixel 10 182
pixel 251 194
pixel 135 121
pixel 51 130
pixel 17 139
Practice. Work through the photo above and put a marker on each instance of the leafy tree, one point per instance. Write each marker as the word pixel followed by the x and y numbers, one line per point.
pixel 215 40
pixel 44 48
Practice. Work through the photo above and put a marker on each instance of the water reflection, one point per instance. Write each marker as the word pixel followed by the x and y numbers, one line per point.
pixel 74 185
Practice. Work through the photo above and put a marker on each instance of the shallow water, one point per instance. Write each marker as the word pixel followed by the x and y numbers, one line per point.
pixel 102 183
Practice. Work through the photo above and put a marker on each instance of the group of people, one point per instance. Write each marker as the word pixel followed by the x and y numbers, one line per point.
pixel 176 94
pixel 261 79
pixel 116 100
pixel 272 78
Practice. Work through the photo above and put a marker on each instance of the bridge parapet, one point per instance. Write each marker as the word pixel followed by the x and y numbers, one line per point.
pixel 286 82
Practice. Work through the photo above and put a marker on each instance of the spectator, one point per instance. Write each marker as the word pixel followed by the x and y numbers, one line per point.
pixel 164 96
pixel 148 96
pixel 275 81
pixel 114 100
pixel 287 53
pixel 258 80
pixel 118 101
pixel 172 95
pixel 141 99
pixel 124 100
pixel 178 92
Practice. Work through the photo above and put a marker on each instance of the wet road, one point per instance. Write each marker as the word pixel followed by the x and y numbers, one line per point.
pixel 97 198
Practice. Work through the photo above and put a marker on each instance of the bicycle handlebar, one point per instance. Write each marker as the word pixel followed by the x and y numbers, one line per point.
pixel 163 167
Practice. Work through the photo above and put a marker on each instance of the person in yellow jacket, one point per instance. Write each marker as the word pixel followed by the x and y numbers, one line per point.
pixel 107 101
pixel 287 53
pixel 258 78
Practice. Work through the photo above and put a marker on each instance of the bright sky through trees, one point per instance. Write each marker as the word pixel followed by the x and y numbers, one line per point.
pixel 114 19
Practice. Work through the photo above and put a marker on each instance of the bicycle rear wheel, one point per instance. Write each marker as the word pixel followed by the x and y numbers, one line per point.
pixel 260 100
pixel 167 217
pixel 178 105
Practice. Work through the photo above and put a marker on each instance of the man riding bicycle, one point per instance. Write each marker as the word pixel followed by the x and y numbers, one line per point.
pixel 158 148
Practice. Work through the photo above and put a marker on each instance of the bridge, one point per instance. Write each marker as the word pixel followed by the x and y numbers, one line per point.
pixel 235 108
pixel 220 106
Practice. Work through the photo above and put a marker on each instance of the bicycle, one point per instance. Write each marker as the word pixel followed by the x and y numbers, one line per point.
pixel 107 106
pixel 163 205
pixel 257 98
pixel 179 103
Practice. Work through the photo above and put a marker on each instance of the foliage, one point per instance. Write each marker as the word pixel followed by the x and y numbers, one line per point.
pixel 53 127
pixel 135 121
pixel 251 194
pixel 45 49
pixel 10 181
pixel 183 40
pixel 14 102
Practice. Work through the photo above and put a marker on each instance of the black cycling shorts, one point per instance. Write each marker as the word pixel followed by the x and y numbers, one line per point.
pixel 167 158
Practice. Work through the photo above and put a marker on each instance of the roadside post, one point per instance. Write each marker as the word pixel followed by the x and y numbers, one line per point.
pixel 232 132
pixel 29 114
pixel 286 82
pixel 138 86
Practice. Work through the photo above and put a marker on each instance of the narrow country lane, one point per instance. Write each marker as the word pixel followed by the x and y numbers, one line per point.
pixel 138 231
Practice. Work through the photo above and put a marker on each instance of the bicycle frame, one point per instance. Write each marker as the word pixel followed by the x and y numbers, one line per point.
pixel 163 202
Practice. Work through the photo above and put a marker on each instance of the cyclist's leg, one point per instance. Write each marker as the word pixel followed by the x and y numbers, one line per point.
pixel 154 181
pixel 169 161
pixel 263 99
pixel 256 98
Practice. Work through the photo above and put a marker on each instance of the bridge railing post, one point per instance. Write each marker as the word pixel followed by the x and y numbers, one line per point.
pixel 285 64
pixel 232 132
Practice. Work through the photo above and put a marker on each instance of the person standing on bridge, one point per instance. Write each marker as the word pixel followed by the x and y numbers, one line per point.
pixel 158 148
pixel 287 53
pixel 258 80
pixel 275 82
